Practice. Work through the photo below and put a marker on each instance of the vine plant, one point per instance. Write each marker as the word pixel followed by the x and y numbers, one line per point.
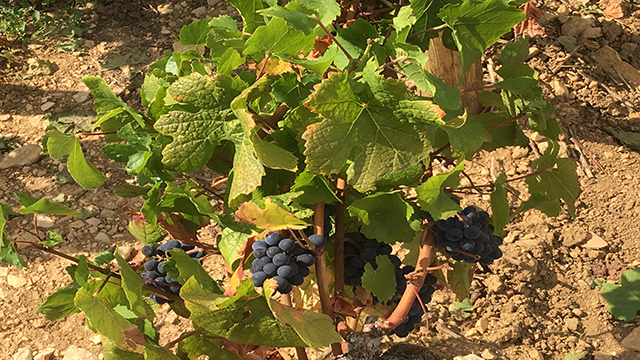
pixel 297 107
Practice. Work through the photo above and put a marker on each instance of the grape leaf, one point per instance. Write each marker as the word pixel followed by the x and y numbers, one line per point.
pixel 499 206
pixel 8 253
pixel 314 189
pixel 504 135
pixel 624 300
pixel 44 206
pixel 369 135
pixel 109 323
pixel 299 20
pixel 354 40
pixel 432 198
pixel 104 257
pixel 146 232
pixel 52 239
pixel 201 344
pixel 248 9
pixel 112 352
pixel 247 171
pixel 244 317
pixel 81 274
pixel 59 304
pixel 315 329
pixel 278 38
pixel 228 61
pixel 559 179
pixel 188 267
pixel 515 52
pixel 232 243
pixel 326 10
pixel 82 171
pixel 195 33
pixel 156 352
pixel 477 25
pixel 381 282
pixel 133 286
pixel 459 279
pixel 466 135
pixel 25 200
pixel 385 217
pixel 272 217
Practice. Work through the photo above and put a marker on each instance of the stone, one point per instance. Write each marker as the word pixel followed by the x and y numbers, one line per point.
pixel 632 341
pixel 212 3
pixel 608 58
pixel 125 251
pixel 468 357
pixel 107 214
pixel 520 152
pixel 81 96
pixel 102 237
pixel 482 325
pixel 559 88
pixel 488 355
pixel 535 355
pixel 595 242
pixel 45 221
pixel 77 353
pixel 23 354
pixel 199 11
pixel 5 117
pixel 576 26
pixel 44 354
pixel 48 105
pixel 16 281
pixel 572 323
pixel 25 155
pixel 629 47
pixel 598 355
pixel 493 283
pixel 94 221
pixel 96 339
pixel 76 224
pixel 572 236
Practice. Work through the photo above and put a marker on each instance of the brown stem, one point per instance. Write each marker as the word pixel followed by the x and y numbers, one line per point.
pixel 528 175
pixel 435 28
pixel 503 122
pixel 321 272
pixel 477 257
pixel 471 182
pixel 21 228
pixel 333 39
pixel 104 282
pixel 338 252
pixel 440 150
pixel 285 299
pixel 277 116
pixel 427 246
pixel 182 337
pixel 264 64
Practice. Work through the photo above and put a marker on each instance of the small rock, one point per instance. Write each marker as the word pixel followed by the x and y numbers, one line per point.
pixel 107 214
pixel 572 323
pixel 23 354
pixel 212 3
pixel 25 155
pixel 48 105
pixel 577 312
pixel 598 355
pixel 165 31
pixel 38 322
pixel 482 325
pixel 125 251
pixel 45 221
pixel 520 152
pixel 44 354
pixel 572 236
pixel 5 117
pixel 81 96
pixel 16 281
pixel 629 47
pixel 94 221
pixel 632 341
pixel 77 353
pixel 488 355
pixel 535 355
pixel 576 26
pixel 468 357
pixel 493 283
pixel 199 11
pixel 102 237
pixel 77 224
pixel 96 339
pixel 559 88
pixel 596 242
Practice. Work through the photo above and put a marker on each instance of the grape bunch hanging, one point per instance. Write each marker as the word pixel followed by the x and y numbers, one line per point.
pixel 416 311
pixel 468 236
pixel 154 267
pixel 358 251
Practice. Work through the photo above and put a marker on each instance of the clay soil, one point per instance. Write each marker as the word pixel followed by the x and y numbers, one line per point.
pixel 541 301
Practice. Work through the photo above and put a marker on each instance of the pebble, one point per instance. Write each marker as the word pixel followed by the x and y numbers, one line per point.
pixel 572 236
pixel 23 354
pixel 48 105
pixel 482 325
pixel 107 214
pixel 125 251
pixel 44 354
pixel 94 221
pixel 45 221
pixel 488 355
pixel 572 323
pixel 602 356
pixel 559 88
pixel 5 117
pixel 520 152
pixel 596 242
pixel 25 155
pixel 632 341
pixel 77 224
pixel 81 96
pixel 102 237
pixel 468 357
pixel 16 281
pixel 199 11
pixel 77 353
pixel 493 283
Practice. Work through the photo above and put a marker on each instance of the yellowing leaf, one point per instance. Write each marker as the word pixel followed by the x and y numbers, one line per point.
pixel 271 217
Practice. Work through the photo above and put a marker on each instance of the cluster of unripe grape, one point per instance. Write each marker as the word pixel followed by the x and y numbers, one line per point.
pixel 468 236
pixel 154 267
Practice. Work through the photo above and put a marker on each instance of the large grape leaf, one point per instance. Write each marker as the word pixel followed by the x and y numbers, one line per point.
pixel 271 217
pixel 153 351
pixel 59 304
pixel 559 181
pixel 353 39
pixel 326 10
pixel 365 134
pixel 82 171
pixel 314 328
pixel 245 317
pixel 195 135
pixel 624 300
pixel 432 198
pixel 466 135
pixel 381 281
pixel 248 9
pixel 314 188
pixel 109 323
pixel 195 33
pixel 477 25
pixel 8 253
pixel 299 20
pixel 232 242
pixel 133 286
pixel 280 38
pixel 112 352
pixel 385 217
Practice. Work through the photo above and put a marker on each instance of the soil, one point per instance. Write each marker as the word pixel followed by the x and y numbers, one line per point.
pixel 541 301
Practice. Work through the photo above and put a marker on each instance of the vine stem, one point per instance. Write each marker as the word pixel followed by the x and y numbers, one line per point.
pixel 387 64
pixel 427 246
pixel 104 282
pixel 264 64
pixel 321 272
pixel 503 122
pixel 333 39
pixel 538 172
pixel 183 336
pixel 338 253
pixel 285 299
pixel 435 28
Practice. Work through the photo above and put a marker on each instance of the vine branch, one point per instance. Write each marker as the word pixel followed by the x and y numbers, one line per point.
pixel 435 28
pixel 346 53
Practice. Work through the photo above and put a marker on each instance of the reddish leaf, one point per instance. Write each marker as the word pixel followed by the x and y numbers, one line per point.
pixel 614 10
pixel 531 26
pixel 342 306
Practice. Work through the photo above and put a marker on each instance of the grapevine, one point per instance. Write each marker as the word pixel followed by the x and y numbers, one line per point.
pixel 326 167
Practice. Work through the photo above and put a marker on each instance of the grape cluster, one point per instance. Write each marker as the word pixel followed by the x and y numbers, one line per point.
pixel 468 236
pixel 415 312
pixel 358 251
pixel 154 267
pixel 282 259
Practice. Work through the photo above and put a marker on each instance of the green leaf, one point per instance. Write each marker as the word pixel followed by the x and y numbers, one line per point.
pixel 25 200
pixel 195 33
pixel 575 356
pixel 462 309
pixel 271 217
pixel 550 207
pixel 232 243
pixel 112 352
pixel 526 87
pixel 83 172
pixel 624 300
pixel 104 257
pixel 354 40
pixel 432 198
pixel 273 156
pixel 385 217
pixel 279 38
pixel 59 304
pixel 419 112
pixel 249 11
pixel 300 21
pixel 314 188
pixel 247 171
pixel 228 61
pixel 8 253
pixel 468 137
pixel 515 52
pixel 459 279
pixel 133 286
pixel 499 206
pixel 631 139
pixel 189 267
pixel 146 232
pixel 81 274
pixel 314 328
pixel 156 352
pixel 364 134
pixel 109 323
pixel 477 25
pixel 244 318
pixel 381 282
pixel 131 191
pixel 52 239
pixel 202 344
pixel 44 206
pixel 326 10
pixel 559 181
pixel 504 135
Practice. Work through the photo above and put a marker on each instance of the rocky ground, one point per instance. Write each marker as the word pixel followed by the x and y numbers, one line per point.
pixel 540 302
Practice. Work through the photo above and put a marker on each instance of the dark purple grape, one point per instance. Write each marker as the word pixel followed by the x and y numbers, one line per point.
pixel 273 250
pixel 472 232
pixel 306 259
pixel 270 269
pixel 287 244
pixel 280 259
pixel 357 262
pixel 258 253
pixel 284 286
pixel 148 251
pixel 296 280
pixel 454 234
pixel 318 240
pixel 287 271
pixel 273 238
pixel 151 265
pixel 259 245
pixel 259 278
pixel 467 244
pixel 369 254
pixel 171 244
pixel 303 270
pixel 385 249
